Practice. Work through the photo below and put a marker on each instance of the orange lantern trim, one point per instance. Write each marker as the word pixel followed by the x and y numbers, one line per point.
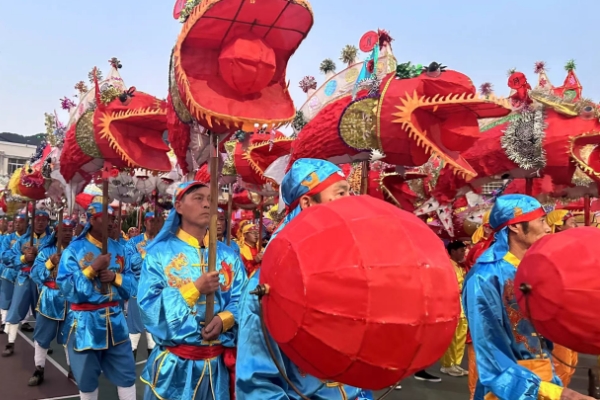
pixel 231 73
pixel 311 291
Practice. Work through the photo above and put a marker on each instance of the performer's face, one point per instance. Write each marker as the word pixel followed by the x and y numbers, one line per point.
pixel 251 237
pixel 194 207
pixel 67 234
pixel 10 227
pixel 334 192
pixel 532 232
pixel 153 225
pixel 20 226
pixel 41 223
pixel 220 224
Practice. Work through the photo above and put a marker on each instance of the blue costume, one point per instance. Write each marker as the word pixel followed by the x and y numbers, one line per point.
pixel 183 366
pixel 135 250
pixel 257 377
pixel 95 327
pixel 25 293
pixel 232 245
pixel 9 275
pixel 506 347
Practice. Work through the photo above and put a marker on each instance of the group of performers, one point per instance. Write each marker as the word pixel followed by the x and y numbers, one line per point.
pixel 98 305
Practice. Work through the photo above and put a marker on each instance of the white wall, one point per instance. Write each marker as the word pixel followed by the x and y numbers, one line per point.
pixel 13 150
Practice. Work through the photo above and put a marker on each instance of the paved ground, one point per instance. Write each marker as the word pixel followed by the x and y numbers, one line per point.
pixel 17 370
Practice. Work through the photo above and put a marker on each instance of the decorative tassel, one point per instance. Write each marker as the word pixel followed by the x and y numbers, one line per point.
pixel 272 138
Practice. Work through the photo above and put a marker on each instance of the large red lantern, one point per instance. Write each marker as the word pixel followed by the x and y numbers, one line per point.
pixel 560 288
pixel 359 292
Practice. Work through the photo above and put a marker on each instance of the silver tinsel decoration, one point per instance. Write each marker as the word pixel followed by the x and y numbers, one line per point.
pixel 373 83
pixel 523 140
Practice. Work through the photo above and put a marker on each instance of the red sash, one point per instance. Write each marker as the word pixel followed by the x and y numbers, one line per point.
pixel 26 269
pixel 93 307
pixel 197 353
pixel 51 285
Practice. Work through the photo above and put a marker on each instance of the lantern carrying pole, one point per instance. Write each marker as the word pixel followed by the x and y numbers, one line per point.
pixel 212 228
pixel 32 221
pixel 105 289
pixel 528 186
pixel 364 177
pixel 586 210
pixel 229 211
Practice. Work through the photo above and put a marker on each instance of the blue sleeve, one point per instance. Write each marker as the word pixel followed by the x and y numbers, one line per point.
pixel 231 299
pixel 135 259
pixel 257 377
pixel 496 365
pixel 15 253
pixel 39 272
pixel 129 281
pixel 73 284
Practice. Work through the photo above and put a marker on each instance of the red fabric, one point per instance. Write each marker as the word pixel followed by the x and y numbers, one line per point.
pixel 93 307
pixel 530 216
pixel 178 135
pixel 196 353
pixel 329 273
pixel 229 358
pixel 254 156
pixel 51 285
pixel 562 270
pixel 221 72
pixel 477 250
pixel 251 265
pixel 26 269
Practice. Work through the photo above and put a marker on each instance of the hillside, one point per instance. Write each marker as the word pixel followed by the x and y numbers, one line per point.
pixel 33 140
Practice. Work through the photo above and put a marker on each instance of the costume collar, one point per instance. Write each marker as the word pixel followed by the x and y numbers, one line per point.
pixel 93 241
pixel 187 238
pixel 36 236
pixel 512 259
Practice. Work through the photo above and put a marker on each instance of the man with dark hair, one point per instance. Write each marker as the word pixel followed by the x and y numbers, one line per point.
pixel 511 359
pixel 189 360
pixel 453 357
pixel 94 285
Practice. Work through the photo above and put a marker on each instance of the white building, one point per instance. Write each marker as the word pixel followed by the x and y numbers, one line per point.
pixel 13 156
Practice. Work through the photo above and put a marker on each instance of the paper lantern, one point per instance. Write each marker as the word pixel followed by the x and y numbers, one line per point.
pixel 360 292
pixel 562 272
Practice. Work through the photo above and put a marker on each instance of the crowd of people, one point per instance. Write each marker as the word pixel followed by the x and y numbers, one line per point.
pixel 156 283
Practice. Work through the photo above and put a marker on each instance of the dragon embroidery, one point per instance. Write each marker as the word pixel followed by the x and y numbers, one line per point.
pixel 87 260
pixel 121 262
pixel 225 276
pixel 521 327
pixel 174 271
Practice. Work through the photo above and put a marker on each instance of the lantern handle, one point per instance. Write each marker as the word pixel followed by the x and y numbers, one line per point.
pixel 527 289
pixel 261 291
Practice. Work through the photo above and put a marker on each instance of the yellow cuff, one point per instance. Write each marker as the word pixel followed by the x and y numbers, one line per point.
pixel 89 273
pixel 23 260
pixel 190 293
pixel 118 280
pixel 549 391
pixel 49 265
pixel 228 320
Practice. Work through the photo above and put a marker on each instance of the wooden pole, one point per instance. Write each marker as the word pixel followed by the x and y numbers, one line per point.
pixel 528 186
pixel 120 216
pixel 212 228
pixel 32 221
pixel 229 211
pixel 364 177
pixel 105 289
pixel 586 210
pixel 261 210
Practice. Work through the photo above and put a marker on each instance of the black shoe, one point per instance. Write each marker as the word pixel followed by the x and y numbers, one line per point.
pixel 425 376
pixel 135 355
pixel 37 378
pixel 26 327
pixel 9 350
pixel 49 351
pixel 70 375
pixel 2 329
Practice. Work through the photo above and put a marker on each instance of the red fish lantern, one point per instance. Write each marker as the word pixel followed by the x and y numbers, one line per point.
pixel 359 292
pixel 558 291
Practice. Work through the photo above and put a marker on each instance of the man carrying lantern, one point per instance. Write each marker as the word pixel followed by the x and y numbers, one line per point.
pixel 190 359
pixel 562 220
pixel 9 274
pixel 455 353
pixel 51 307
pixel 94 285
pixel 135 250
pixel 308 183
pixel 248 236
pixel 511 360
pixel 25 295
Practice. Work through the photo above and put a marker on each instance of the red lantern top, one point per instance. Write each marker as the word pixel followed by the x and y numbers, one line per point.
pixel 563 287
pixel 360 292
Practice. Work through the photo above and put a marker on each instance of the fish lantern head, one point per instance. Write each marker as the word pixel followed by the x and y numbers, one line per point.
pixel 350 306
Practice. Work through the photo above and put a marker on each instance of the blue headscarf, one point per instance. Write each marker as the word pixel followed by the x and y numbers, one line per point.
pixel 173 221
pixel 308 176
pixel 93 210
pixel 509 209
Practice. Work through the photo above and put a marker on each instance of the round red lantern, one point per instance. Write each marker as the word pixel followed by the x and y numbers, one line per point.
pixel 359 292
pixel 560 287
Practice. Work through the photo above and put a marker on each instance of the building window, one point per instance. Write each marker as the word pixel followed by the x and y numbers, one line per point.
pixel 15 163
